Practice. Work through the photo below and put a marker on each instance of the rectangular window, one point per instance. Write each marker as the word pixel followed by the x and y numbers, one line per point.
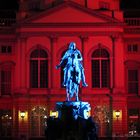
pixel 5 49
pixel 133 81
pixel 133 112
pixel 9 49
pixel 5 82
pixel 132 48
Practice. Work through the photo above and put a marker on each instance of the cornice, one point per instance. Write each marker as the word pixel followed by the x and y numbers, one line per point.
pixel 65 33
pixel 10 40
pixel 70 25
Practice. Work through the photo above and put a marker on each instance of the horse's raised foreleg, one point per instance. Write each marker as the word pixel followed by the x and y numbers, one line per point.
pixel 68 98
pixel 77 98
pixel 76 92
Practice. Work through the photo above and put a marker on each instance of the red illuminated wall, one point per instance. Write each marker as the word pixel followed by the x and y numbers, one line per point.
pixel 52 30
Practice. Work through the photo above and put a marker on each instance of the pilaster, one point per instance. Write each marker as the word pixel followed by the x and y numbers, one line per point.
pixel 53 42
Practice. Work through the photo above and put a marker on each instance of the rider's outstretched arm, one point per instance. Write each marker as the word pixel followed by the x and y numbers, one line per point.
pixel 62 60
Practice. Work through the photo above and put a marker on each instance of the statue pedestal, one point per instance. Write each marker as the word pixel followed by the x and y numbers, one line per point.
pixel 73 122
pixel 73 110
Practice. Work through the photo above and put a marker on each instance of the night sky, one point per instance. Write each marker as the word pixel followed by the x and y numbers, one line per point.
pixel 125 5
pixel 8 4
pixel 130 4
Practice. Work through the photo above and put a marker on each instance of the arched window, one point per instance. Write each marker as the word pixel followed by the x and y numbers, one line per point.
pixel 100 69
pixel 39 69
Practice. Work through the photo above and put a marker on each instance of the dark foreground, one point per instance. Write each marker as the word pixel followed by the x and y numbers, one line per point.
pixel 107 138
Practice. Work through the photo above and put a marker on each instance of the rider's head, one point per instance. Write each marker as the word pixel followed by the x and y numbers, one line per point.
pixel 72 46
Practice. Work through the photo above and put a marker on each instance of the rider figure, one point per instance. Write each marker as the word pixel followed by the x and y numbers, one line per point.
pixel 74 58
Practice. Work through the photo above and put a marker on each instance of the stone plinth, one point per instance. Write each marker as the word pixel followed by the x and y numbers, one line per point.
pixel 73 110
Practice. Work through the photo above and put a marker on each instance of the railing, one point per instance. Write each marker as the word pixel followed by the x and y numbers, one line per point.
pixel 132 21
pixel 9 21
pixel 5 22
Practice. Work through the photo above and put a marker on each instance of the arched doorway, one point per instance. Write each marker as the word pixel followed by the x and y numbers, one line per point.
pixel 37 121
pixel 6 123
pixel 101 117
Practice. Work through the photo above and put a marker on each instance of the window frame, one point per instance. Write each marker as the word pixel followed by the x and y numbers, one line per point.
pixel 39 59
pixel 7 67
pixel 131 65
pixel 134 93
pixel 6 47
pixel 132 48
pixel 100 60
pixel 38 112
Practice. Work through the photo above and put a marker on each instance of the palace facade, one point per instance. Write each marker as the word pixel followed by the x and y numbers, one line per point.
pixel 33 44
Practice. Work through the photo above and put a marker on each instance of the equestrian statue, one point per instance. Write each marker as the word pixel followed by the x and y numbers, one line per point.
pixel 73 71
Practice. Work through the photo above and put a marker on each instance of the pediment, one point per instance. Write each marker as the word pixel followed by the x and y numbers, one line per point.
pixel 69 13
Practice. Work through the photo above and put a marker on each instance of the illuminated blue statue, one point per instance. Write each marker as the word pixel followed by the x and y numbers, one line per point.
pixel 73 71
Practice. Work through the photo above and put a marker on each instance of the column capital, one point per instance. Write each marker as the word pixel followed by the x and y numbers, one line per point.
pixel 114 37
pixel 53 38
pixel 83 37
pixel 22 37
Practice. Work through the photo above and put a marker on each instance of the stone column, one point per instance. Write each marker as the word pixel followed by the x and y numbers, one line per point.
pixel 113 39
pixel 53 41
pixel 84 40
pixel 18 68
pixel 23 64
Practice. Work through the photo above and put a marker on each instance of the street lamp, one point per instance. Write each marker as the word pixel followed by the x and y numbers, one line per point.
pixel 117 113
pixel 22 114
pixel 54 114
